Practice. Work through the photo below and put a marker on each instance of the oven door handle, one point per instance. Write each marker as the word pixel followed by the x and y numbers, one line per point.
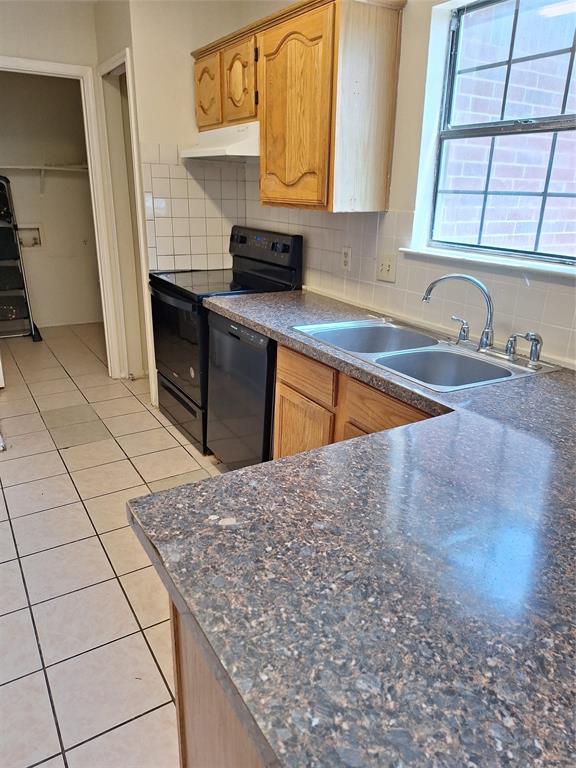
pixel 186 306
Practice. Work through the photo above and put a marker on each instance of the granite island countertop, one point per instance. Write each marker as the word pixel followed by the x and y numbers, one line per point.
pixel 400 599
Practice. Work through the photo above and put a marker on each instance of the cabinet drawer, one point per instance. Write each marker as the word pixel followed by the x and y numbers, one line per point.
pixel 316 380
pixel 372 410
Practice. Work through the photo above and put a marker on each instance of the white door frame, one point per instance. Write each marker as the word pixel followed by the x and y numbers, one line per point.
pixel 108 267
pixel 124 58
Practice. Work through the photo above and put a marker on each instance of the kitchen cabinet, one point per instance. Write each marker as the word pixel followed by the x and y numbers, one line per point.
pixel 305 400
pixel 363 409
pixel 315 380
pixel 296 65
pixel 208 91
pixel 215 727
pixel 238 63
pixel 316 405
pixel 300 424
pixel 323 89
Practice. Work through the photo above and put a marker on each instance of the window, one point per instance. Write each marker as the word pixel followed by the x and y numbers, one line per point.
pixel 506 173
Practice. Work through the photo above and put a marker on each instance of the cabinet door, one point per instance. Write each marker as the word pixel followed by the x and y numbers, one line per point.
pixel 239 81
pixel 369 410
pixel 299 424
pixel 295 83
pixel 350 430
pixel 208 101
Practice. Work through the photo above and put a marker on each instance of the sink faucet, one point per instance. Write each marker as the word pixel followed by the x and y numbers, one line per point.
pixel 487 337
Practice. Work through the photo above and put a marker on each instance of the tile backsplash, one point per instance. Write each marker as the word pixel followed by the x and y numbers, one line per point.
pixel 190 209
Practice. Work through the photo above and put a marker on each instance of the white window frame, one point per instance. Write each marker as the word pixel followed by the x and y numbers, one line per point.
pixel 421 244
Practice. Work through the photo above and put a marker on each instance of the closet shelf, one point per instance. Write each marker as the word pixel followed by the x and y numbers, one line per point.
pixel 44 168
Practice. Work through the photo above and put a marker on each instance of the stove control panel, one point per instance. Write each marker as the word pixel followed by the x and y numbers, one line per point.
pixel 262 245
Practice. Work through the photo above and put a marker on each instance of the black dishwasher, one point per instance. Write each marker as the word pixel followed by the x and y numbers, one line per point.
pixel 240 393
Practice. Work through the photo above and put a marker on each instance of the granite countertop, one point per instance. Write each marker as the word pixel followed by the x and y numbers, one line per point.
pixel 400 599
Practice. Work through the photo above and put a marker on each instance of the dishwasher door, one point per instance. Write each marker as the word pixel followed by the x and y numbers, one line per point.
pixel 240 393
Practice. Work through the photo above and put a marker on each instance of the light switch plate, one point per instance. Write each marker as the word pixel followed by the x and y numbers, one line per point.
pixel 386 271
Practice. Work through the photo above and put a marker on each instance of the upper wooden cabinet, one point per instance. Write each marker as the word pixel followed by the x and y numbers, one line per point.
pixel 239 81
pixel 208 95
pixel 295 67
pixel 324 91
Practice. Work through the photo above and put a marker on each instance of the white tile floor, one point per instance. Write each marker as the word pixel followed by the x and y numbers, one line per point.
pixel 85 660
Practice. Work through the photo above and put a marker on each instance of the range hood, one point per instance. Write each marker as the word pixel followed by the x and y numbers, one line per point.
pixel 232 141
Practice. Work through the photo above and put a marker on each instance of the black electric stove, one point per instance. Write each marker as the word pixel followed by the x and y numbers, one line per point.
pixel 262 261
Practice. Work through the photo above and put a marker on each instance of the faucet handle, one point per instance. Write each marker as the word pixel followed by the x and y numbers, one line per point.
pixel 464 333
pixel 536 343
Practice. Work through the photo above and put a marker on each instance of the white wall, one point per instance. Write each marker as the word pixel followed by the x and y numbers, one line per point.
pixel 41 120
pixel 52 31
pixel 522 300
pixel 42 124
pixel 113 27
pixel 63 274
pixel 163 35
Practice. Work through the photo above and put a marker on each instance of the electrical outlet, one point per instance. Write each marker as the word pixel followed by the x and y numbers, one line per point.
pixel 387 268
pixel 346 258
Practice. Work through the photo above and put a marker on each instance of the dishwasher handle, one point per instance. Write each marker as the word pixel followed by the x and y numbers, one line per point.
pixel 238 332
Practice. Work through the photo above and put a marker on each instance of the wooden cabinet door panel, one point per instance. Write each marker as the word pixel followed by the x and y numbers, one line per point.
pixel 239 81
pixel 372 410
pixel 351 430
pixel 311 378
pixel 208 101
pixel 299 424
pixel 295 79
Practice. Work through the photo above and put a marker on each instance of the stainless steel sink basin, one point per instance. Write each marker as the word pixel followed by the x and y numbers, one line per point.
pixel 445 369
pixel 434 362
pixel 369 336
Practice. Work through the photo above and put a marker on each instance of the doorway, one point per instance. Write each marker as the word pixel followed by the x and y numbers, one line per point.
pixel 115 280
pixel 124 229
pixel 43 159
pixel 116 93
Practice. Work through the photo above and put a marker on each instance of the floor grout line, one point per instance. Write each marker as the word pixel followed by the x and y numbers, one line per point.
pixel 141 630
pixel 43 416
pixel 45 760
pixel 128 599
pixel 125 722
pixel 38 644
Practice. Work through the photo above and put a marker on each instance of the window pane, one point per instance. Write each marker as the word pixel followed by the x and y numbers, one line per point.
pixel 512 191
pixel 457 218
pixel 536 87
pixel 465 164
pixel 558 234
pixel 571 101
pixel 478 96
pixel 563 177
pixel 543 27
pixel 485 35
pixel 520 163
pixel 511 221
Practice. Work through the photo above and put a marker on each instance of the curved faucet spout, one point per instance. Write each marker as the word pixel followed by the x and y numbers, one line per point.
pixel 487 337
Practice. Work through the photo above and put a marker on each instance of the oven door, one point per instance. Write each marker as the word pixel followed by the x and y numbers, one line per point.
pixel 180 342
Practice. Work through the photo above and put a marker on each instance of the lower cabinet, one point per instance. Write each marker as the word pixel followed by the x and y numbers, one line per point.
pixel 215 728
pixel 316 405
pixel 300 424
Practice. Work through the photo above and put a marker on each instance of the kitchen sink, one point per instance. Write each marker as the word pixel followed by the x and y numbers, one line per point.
pixel 445 369
pixel 369 336
pixel 434 361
